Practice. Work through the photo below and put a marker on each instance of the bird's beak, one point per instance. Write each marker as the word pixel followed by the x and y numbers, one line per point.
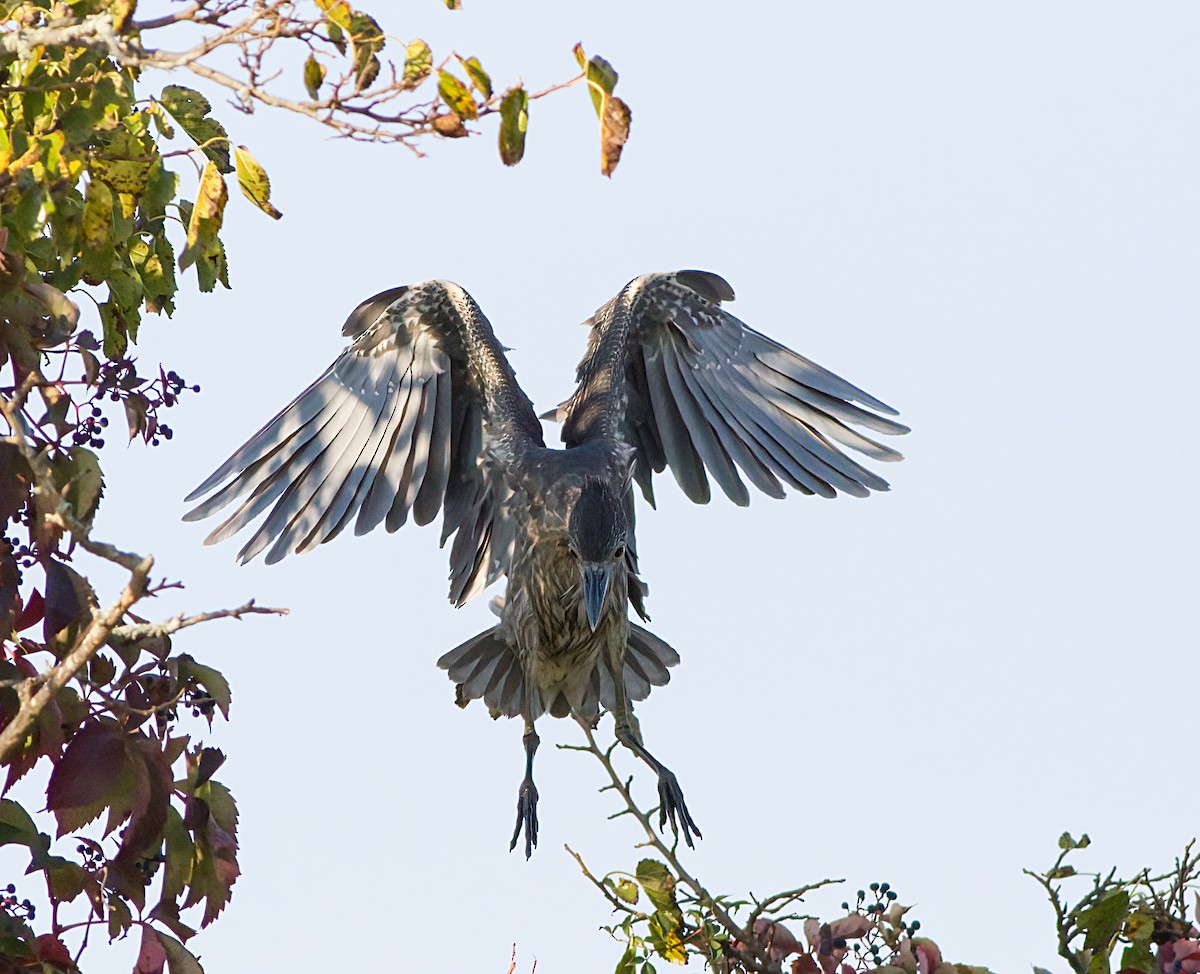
pixel 596 579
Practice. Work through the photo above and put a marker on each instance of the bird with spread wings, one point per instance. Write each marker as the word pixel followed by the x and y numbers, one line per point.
pixel 422 414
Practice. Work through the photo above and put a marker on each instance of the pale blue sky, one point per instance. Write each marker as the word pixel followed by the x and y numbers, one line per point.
pixel 987 215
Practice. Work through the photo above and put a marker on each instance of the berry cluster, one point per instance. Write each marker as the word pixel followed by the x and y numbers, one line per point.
pixel 119 381
pixel 11 906
pixel 90 431
pixel 876 903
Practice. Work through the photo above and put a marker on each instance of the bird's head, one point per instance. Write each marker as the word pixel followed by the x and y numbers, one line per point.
pixel 596 535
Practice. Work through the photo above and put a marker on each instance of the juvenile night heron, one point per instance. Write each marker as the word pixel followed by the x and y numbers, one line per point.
pixel 422 413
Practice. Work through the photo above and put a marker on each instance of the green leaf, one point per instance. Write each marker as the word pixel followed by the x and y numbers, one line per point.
pixel 454 4
pixel 16 827
pixel 367 39
pixel 338 12
pixel 478 76
pixel 1104 921
pixel 254 182
pixel 418 62
pixel 124 162
pixel 626 890
pixel 628 962
pixel 180 960
pixel 97 231
pixel 1061 872
pixel 1139 957
pixel 161 186
pixel 659 884
pixel 190 109
pixel 514 120
pixel 601 78
pixel 1139 927
pixel 456 96
pixel 119 917
pixel 78 477
pixel 214 684
pixel 314 75
pixel 204 223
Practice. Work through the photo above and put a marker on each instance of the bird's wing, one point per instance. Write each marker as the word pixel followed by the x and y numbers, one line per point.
pixel 691 387
pixel 399 423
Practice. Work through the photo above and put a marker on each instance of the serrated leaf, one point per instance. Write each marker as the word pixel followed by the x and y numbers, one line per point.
pixel 478 76
pixel 514 120
pixel 314 76
pixel 254 182
pixel 190 110
pixel 456 96
pixel 204 224
pixel 88 767
pixel 179 851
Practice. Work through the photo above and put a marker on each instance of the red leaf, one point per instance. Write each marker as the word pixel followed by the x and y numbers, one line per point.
pixel 88 768
pixel 211 759
pixel 31 615
pixel 151 958
pixel 51 950
pixel 150 807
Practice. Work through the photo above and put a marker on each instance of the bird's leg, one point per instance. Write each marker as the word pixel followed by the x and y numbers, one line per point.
pixel 671 805
pixel 527 796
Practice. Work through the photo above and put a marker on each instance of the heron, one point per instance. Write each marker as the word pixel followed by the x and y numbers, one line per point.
pixel 421 413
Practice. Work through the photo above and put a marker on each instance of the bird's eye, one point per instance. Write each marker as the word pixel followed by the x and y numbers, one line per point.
pixel 620 552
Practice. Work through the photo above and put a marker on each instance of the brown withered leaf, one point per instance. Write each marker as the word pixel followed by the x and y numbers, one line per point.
pixel 614 133
pixel 450 126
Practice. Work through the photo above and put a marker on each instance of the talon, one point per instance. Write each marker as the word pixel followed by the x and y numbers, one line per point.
pixel 671 806
pixel 526 818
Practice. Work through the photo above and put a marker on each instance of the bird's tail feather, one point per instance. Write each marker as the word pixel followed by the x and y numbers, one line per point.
pixel 485 667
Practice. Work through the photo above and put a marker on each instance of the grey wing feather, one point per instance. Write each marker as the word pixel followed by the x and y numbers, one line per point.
pixel 692 388
pixel 401 423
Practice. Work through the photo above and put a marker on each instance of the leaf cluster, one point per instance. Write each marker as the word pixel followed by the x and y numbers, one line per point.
pixel 1147 918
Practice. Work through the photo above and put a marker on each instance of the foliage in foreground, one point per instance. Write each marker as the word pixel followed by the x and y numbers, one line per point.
pixel 1140 925
pixel 111 193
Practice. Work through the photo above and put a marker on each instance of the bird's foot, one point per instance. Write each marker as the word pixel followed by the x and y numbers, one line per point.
pixel 527 818
pixel 672 807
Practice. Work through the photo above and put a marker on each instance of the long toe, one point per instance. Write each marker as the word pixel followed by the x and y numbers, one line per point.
pixel 672 807
pixel 527 820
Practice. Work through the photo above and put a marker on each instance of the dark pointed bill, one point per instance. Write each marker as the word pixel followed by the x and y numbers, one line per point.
pixel 596 579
